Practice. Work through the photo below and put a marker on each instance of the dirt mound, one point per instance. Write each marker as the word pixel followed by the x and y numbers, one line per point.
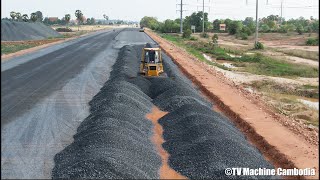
pixel 20 31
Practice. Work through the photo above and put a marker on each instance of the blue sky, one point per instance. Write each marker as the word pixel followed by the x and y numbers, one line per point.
pixel 162 9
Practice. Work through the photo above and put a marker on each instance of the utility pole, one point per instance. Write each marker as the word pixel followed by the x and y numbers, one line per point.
pixel 203 6
pixel 181 25
pixel 203 16
pixel 257 24
pixel 281 12
pixel 181 17
pixel 257 21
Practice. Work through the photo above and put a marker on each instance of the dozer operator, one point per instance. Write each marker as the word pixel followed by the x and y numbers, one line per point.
pixel 151 62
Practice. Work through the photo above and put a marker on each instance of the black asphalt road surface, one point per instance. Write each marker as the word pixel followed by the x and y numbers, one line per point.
pixel 24 85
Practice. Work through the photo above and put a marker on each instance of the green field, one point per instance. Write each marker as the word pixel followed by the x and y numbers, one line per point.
pixel 255 64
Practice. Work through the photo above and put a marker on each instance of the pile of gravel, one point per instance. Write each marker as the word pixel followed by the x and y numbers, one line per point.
pixel 114 140
pixel 19 31
pixel 202 144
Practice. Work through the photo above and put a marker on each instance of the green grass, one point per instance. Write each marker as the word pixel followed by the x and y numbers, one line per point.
pixel 273 67
pixel 255 64
pixel 198 54
pixel 7 49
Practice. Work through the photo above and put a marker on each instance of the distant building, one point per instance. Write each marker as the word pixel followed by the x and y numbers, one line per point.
pixel 53 19
pixel 73 22
pixel 222 27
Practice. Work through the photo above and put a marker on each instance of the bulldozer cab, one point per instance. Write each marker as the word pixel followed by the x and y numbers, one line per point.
pixel 151 62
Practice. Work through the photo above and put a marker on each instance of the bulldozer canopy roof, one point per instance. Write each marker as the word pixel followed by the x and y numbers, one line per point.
pixel 151 49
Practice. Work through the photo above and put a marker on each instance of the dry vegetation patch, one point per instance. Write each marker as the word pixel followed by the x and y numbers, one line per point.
pixel 296 101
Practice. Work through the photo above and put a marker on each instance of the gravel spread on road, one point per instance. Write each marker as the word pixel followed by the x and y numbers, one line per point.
pixel 115 140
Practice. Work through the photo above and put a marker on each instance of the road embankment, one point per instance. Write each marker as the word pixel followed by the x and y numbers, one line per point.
pixel 126 137
pixel 278 144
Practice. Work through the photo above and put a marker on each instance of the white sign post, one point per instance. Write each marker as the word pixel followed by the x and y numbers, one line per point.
pixel 193 28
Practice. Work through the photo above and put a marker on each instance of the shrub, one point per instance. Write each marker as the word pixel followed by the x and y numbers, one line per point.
pixel 244 36
pixel 248 58
pixel 299 29
pixel 215 40
pixel 258 45
pixel 186 33
pixel 193 38
pixel 204 35
pixel 283 29
pixel 241 35
pixel 215 36
pixel 246 30
pixel 265 28
pixel 234 27
pixel 309 29
pixel 64 30
pixel 312 42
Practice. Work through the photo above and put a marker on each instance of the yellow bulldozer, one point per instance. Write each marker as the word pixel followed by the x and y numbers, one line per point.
pixel 151 62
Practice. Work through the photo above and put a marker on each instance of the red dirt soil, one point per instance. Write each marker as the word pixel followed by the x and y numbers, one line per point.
pixel 280 145
pixel 166 172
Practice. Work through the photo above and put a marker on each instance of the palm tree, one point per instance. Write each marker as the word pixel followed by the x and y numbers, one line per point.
pixel 106 17
pixel 13 15
pixel 67 18
pixel 25 18
pixel 79 17
pixel 18 16
pixel 33 17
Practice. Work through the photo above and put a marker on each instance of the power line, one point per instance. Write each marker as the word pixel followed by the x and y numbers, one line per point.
pixel 305 7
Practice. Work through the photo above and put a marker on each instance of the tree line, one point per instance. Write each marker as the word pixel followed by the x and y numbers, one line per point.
pixel 173 26
pixel 38 17
pixel 241 28
pixel 269 24
pixel 34 17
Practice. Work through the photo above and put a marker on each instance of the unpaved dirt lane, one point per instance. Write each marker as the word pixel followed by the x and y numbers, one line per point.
pixel 166 172
pixel 45 97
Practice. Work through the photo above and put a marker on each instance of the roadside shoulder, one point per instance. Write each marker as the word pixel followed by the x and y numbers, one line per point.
pixel 275 140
